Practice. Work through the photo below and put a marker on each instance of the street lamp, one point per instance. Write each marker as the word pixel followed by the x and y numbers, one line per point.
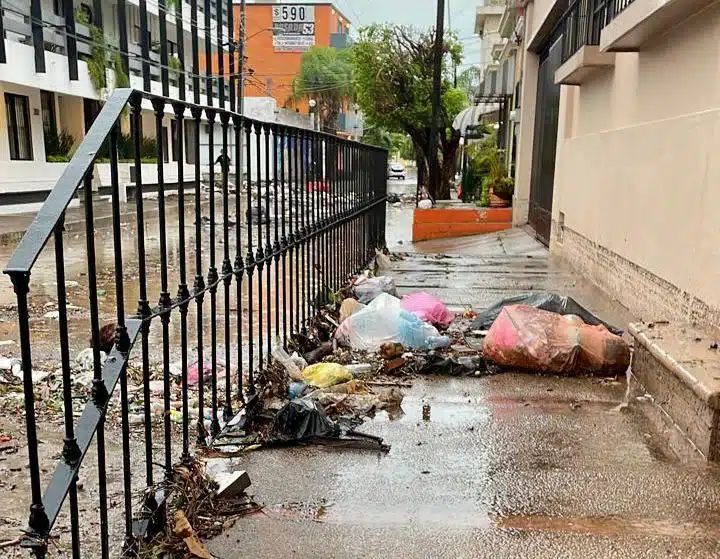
pixel 275 30
pixel 312 103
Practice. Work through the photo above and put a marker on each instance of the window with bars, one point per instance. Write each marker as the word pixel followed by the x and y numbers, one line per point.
pixel 18 126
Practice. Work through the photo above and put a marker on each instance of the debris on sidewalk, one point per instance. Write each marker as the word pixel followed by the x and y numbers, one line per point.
pixel 367 288
pixel 324 375
pixel 196 510
pixel 551 302
pixel 349 307
pixel 184 530
pixel 300 419
pixel 428 308
pixel 532 339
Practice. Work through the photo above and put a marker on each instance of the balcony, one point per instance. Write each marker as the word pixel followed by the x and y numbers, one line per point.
pixel 581 26
pixel 633 23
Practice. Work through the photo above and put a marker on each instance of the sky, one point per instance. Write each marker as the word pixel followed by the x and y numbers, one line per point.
pixel 420 13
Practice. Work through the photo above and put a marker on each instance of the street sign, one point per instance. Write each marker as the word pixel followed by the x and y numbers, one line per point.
pixel 293 27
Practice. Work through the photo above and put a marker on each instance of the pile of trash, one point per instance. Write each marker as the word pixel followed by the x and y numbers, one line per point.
pixel 381 339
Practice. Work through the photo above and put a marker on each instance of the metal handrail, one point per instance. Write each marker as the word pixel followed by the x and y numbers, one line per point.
pixel 52 210
pixel 354 217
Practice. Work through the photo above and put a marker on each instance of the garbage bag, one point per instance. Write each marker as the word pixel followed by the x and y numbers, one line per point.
pixel 538 340
pixel 367 289
pixel 373 325
pixel 322 375
pixel 415 333
pixel 302 418
pixel 349 307
pixel 437 364
pixel 429 308
pixel 551 302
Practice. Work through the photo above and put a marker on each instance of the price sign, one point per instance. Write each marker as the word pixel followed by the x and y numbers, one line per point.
pixel 293 27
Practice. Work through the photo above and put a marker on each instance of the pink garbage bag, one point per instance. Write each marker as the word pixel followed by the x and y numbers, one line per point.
pixel 428 308
pixel 528 338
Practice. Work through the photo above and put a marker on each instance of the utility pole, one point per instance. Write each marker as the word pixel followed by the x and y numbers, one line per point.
pixel 241 69
pixel 437 78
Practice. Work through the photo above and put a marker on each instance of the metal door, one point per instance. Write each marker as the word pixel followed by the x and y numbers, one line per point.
pixel 545 141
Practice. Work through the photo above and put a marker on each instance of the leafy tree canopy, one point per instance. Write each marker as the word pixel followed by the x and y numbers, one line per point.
pixel 326 76
pixel 393 72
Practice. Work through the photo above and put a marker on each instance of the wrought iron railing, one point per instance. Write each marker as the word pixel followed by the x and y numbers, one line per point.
pixel 314 214
pixel 581 25
pixel 615 7
pixel 584 20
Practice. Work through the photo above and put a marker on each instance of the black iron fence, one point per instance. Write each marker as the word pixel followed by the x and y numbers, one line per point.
pixel 312 214
pixel 615 7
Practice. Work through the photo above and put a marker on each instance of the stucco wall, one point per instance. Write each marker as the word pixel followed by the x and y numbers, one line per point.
pixel 637 168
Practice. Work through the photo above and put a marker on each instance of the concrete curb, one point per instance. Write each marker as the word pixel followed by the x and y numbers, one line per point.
pixel 706 394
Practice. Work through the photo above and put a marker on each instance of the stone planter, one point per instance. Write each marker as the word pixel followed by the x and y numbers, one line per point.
pixel 459 220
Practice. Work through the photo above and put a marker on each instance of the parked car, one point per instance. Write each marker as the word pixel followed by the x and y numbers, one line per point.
pixel 396 171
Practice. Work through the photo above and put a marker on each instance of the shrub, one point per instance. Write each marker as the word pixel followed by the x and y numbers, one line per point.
pixel 57 159
pixel 58 145
pixel 504 189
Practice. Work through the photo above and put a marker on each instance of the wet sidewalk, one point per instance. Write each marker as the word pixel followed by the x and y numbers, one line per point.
pixel 507 466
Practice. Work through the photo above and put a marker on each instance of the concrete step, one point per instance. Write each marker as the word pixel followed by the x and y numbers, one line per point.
pixel 678 365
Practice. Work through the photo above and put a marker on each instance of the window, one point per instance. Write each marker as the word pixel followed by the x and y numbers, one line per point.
pixel 87 11
pixel 165 144
pixel 18 119
pixel 190 127
pixel 174 134
pixel 47 100
pixel 58 7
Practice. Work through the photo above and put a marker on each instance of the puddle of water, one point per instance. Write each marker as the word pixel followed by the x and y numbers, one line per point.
pixel 610 526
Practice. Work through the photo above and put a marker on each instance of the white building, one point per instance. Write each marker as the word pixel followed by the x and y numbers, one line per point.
pixel 48 94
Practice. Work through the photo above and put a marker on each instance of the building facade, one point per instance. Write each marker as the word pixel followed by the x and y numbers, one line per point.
pixel 61 59
pixel 278 34
pixel 619 130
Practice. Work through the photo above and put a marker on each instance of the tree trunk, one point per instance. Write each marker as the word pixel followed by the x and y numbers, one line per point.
pixel 421 168
pixel 449 148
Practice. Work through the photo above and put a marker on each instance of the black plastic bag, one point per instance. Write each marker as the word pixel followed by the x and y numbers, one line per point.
pixel 300 419
pixel 551 302
pixel 438 364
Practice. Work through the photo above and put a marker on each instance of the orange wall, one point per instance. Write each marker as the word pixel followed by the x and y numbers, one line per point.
pixel 280 67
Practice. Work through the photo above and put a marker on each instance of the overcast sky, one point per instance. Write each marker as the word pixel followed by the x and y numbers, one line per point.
pixel 420 13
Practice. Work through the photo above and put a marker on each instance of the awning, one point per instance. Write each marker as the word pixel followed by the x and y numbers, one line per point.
pixel 471 116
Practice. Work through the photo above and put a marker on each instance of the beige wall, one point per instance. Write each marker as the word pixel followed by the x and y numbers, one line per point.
pixel 71 117
pixel 638 170
pixel 540 11
pixel 528 92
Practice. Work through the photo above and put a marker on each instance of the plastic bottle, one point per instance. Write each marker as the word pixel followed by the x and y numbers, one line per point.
pixel 284 359
pixel 296 389
pixel 360 369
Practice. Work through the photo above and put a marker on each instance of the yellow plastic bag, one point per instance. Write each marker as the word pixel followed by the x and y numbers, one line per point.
pixel 322 375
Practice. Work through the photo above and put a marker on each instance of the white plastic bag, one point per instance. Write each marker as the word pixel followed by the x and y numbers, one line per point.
pixel 367 288
pixel 372 326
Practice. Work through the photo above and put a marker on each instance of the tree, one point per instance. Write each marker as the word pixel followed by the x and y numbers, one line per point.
pixel 392 68
pixel 325 75
pixel 469 81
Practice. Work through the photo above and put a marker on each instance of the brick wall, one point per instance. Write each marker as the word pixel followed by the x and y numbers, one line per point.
pixel 644 294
